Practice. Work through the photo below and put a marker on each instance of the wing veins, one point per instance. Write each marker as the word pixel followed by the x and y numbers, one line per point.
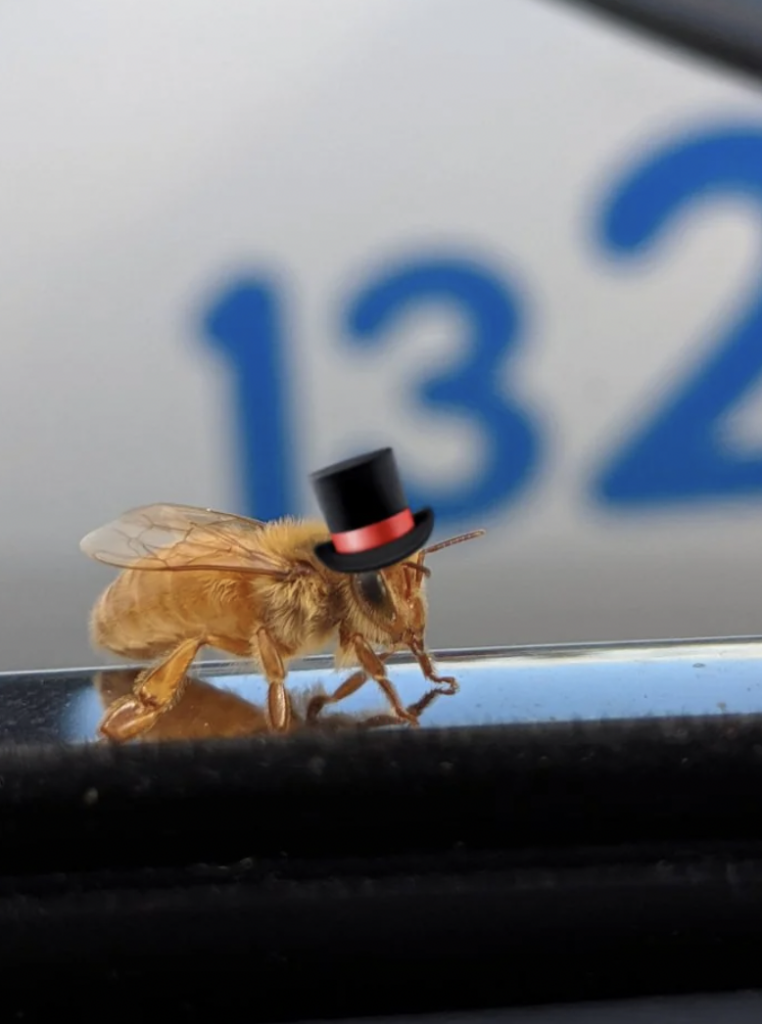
pixel 215 537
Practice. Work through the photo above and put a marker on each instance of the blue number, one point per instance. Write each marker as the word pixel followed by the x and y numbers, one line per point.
pixel 678 456
pixel 472 387
pixel 246 325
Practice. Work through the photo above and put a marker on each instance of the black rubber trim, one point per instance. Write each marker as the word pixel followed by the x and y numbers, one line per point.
pixel 319 877
pixel 373 795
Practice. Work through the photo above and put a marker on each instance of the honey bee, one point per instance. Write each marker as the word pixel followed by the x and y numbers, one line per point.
pixel 194 577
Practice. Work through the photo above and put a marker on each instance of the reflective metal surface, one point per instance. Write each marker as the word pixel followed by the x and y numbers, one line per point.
pixel 497 686
pixel 735 1008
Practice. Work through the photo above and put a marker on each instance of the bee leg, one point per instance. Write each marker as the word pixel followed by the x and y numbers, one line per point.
pixel 346 689
pixel 278 703
pixel 350 685
pixel 155 691
pixel 373 667
pixel 427 667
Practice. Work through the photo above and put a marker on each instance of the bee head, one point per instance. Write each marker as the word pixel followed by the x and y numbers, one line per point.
pixel 392 600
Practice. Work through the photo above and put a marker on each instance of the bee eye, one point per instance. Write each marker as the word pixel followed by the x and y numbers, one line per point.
pixel 372 590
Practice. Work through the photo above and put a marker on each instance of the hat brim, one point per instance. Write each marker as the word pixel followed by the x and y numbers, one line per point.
pixel 383 556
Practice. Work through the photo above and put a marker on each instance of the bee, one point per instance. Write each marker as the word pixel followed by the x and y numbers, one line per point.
pixel 195 577
pixel 206 712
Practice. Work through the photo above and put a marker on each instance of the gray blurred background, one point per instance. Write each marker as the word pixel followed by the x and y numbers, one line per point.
pixel 518 242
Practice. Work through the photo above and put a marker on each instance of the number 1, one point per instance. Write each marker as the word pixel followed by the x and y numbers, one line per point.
pixel 246 325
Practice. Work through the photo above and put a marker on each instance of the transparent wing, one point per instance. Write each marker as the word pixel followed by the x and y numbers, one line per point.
pixel 177 537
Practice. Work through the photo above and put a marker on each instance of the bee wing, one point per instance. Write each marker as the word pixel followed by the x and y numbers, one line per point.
pixel 177 537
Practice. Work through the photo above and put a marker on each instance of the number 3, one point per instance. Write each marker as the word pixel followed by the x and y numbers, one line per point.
pixel 678 456
pixel 511 446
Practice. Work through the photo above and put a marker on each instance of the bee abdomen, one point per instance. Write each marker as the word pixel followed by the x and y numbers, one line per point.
pixel 124 620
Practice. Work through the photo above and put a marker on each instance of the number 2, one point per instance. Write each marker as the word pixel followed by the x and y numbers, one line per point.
pixel 511 446
pixel 678 455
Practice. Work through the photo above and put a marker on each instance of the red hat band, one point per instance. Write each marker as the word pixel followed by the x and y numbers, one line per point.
pixel 374 535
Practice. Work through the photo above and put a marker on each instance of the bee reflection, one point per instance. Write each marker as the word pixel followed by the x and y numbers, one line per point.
pixel 206 712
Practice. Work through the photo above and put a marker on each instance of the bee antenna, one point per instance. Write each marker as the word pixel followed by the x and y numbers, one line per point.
pixel 422 569
pixel 454 540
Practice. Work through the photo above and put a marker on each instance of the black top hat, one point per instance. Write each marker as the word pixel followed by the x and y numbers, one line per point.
pixel 365 509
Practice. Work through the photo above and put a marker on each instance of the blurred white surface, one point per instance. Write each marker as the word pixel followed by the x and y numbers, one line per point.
pixel 154 156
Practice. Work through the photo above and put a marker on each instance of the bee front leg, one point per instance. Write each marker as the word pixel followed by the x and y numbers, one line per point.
pixel 154 692
pixel 372 667
pixel 278 703
pixel 350 685
pixel 427 667
pixel 346 689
